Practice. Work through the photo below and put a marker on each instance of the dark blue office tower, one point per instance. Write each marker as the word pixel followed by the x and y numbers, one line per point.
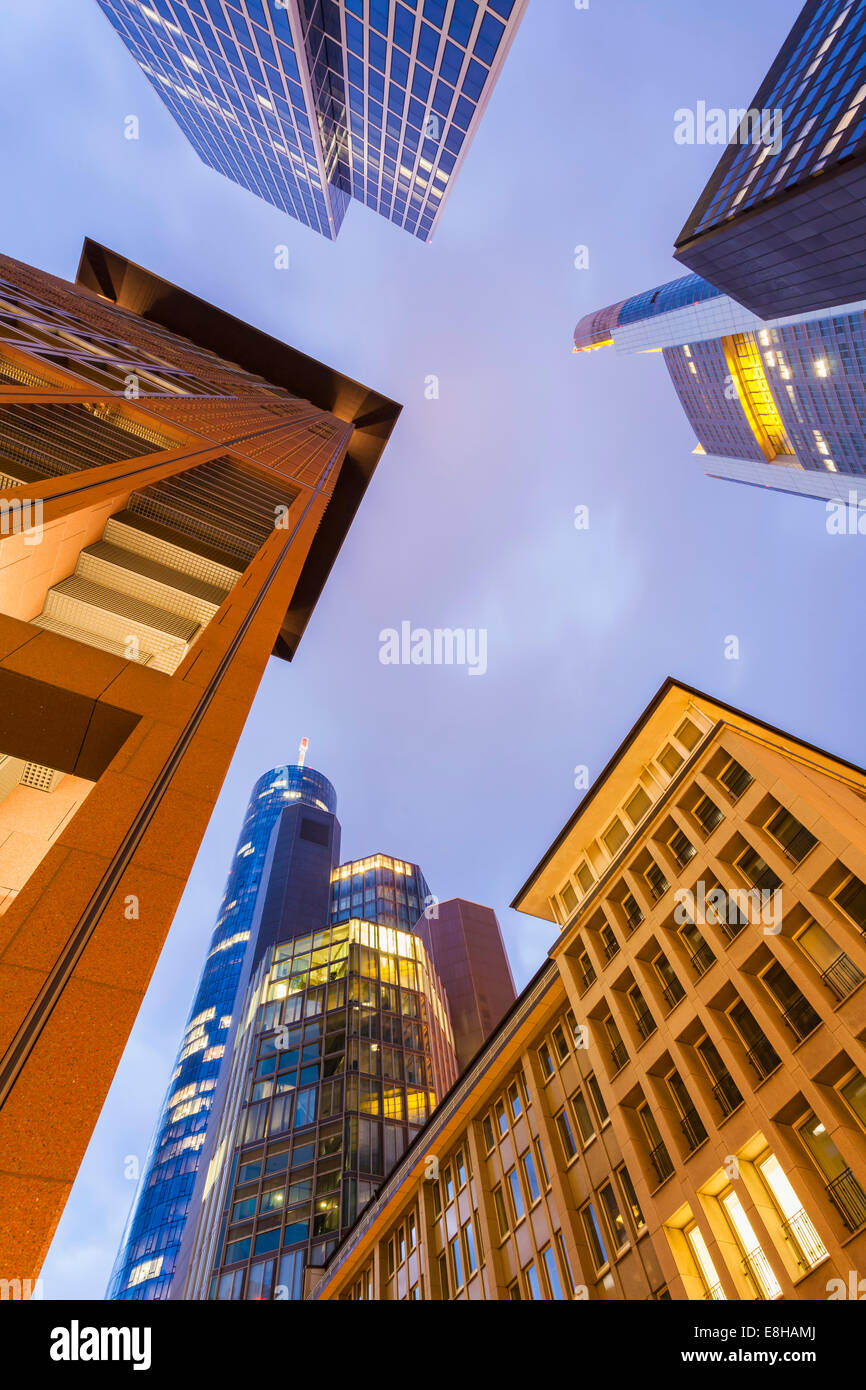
pixel 290 842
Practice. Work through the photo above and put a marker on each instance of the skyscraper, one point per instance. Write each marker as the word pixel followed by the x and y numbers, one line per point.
pixel 156 1223
pixel 675 1106
pixel 779 226
pixel 776 403
pixel 318 1042
pixel 309 103
pixel 175 488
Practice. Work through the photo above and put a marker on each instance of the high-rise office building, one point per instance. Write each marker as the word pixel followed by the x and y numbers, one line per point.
pixel 776 403
pixel 318 1042
pixel 175 488
pixel 310 103
pixel 675 1106
pixel 145 1263
pixel 779 225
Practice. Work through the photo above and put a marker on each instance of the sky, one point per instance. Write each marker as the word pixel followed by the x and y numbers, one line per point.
pixel 469 520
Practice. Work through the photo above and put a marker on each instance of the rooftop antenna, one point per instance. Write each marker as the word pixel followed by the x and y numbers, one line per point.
pixel 302 751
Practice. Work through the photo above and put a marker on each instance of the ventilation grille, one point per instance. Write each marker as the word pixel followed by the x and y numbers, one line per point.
pixel 42 779
pixel 66 438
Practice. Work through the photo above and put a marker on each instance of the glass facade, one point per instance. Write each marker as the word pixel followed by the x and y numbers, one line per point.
pixel 146 1261
pixel 309 103
pixel 818 83
pixel 353 1047
pixel 790 393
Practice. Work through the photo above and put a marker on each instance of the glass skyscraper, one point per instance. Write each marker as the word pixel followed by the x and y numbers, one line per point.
pixel 319 1040
pixel 309 103
pixel 145 1264
pixel 778 403
pixel 779 226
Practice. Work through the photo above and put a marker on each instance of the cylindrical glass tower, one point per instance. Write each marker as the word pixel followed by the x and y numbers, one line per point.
pixel 146 1260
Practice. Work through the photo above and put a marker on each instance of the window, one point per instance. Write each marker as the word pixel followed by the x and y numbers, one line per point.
pixel 609 942
pixel 643 1018
pixel 487 1130
pixel 533 1283
pixel 618 1053
pixel 630 1196
pixel 449 1186
pixel 757 871
pixel 735 779
pixel 688 734
pixel 632 910
pixel 615 837
pixel 797 1012
pixel 542 1163
pixel 469 1243
pixel 597 1098
pixel 569 899
pixel 561 1045
pixel 584 877
pixel 460 1168
pixel 637 806
pixel 762 1055
pixel 708 815
pixel 516 1195
pixel 853 1092
pixel 700 954
pixel 672 990
pixel 797 1226
pixel 413 1232
pixel 443 1276
pixel 566 1136
pixel 690 1121
pixel 552 1273
pixel 546 1061
pixel 514 1101
pixel 791 834
pixel 566 1264
pixel 437 1200
pixel 501 1117
pixel 501 1213
pixel 703 1261
pixel 838 971
pixel 585 1126
pixel 757 1265
pixel 514 1292
pixel 851 897
pixel 682 848
pixel 669 759
pixel 658 884
pixel 592 1231
pixel 587 969
pixel 456 1262
pixel 529 1173
pixel 615 1220
pixel 725 1088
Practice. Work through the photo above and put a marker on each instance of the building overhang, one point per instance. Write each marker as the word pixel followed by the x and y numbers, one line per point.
pixel 373 416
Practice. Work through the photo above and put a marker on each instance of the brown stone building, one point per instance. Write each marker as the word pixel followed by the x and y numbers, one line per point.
pixel 174 488
pixel 675 1107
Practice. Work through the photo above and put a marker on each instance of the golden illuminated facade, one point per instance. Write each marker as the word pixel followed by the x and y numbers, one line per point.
pixel 675 1107
pixel 174 488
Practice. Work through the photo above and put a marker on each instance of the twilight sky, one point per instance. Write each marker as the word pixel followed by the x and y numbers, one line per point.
pixel 469 520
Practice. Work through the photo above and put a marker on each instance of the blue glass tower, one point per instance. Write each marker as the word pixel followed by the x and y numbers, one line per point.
pixel 308 103
pixel 146 1260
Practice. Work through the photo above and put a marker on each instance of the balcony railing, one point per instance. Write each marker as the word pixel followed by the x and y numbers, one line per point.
pixel 619 1056
pixel 611 948
pixel 673 993
pixel 758 1268
pixel 716 1294
pixel 702 959
pixel 589 977
pixel 764 1057
pixel 801 1018
pixel 807 1245
pixel 726 1093
pixel 658 886
pixel 646 1023
pixel 661 1161
pixel 766 880
pixel 842 977
pixel 848 1197
pixel 693 1128
pixel 684 855
pixel 634 919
